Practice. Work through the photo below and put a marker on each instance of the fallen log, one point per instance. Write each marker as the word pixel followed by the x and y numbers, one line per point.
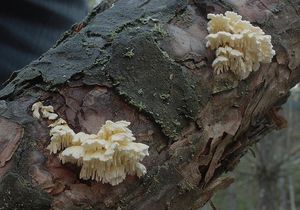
pixel 145 62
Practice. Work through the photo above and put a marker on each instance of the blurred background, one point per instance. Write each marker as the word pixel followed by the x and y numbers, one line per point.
pixel 93 3
pixel 31 27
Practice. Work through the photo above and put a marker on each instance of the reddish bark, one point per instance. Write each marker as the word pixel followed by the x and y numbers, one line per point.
pixel 197 124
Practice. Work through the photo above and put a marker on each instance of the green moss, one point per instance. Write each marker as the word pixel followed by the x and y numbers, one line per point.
pixel 129 54
pixel 140 91
pixel 158 28
pixel 185 187
pixel 164 96
pixel 166 100
pixel 225 83
pixel 112 36
pixel 147 20
pixel 185 18
pixel 17 193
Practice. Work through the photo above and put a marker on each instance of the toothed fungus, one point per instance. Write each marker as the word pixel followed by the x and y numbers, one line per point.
pixel 109 155
pixel 36 109
pixel 47 111
pixel 61 136
pixel 106 156
pixel 240 46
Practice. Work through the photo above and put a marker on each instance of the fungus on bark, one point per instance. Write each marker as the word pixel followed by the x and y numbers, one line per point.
pixel 61 136
pixel 47 111
pixel 240 46
pixel 107 156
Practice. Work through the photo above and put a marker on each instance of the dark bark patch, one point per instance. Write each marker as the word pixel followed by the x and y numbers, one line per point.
pixel 17 193
pixel 166 92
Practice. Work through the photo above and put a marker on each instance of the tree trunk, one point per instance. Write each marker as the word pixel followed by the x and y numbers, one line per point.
pixel 267 176
pixel 145 62
pixel 282 190
pixel 232 201
pixel 292 194
pixel 289 145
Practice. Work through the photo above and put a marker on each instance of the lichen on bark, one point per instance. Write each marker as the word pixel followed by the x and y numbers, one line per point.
pixel 198 125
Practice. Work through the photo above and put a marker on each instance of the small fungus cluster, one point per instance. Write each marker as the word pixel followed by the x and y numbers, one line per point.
pixel 106 156
pixel 240 46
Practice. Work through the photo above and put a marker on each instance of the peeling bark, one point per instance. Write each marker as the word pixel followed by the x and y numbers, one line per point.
pixel 146 62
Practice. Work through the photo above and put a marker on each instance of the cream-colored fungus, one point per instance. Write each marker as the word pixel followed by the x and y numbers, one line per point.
pixel 240 46
pixel 107 156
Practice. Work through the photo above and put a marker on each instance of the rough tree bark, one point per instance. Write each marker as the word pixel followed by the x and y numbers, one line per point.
pixel 145 61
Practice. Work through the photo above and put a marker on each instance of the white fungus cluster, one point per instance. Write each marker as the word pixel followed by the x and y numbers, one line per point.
pixel 106 156
pixel 109 155
pixel 61 136
pixel 47 111
pixel 240 46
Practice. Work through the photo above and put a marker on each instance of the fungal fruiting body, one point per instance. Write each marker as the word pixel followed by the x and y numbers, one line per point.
pixel 61 136
pixel 240 46
pixel 109 155
pixel 47 111
pixel 106 156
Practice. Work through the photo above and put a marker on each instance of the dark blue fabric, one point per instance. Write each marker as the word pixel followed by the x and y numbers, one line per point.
pixel 30 27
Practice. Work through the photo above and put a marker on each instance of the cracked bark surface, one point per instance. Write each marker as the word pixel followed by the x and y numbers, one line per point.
pixel 146 62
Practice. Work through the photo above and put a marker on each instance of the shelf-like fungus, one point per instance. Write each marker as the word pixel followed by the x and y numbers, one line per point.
pixel 240 46
pixel 47 111
pixel 107 156
pixel 61 136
